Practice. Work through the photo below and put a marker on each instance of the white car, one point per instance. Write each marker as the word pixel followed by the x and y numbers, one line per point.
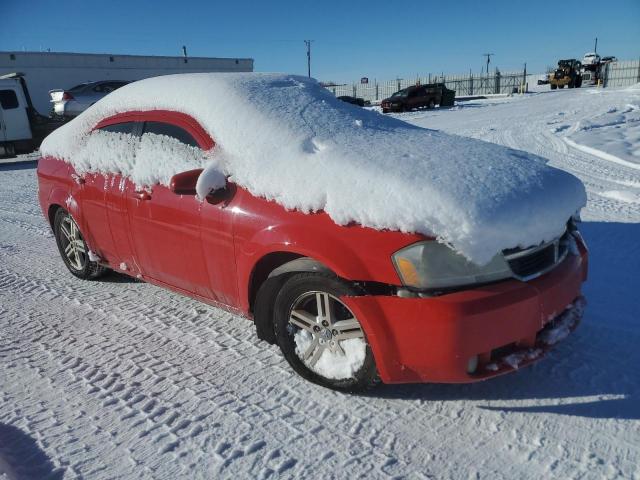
pixel 591 58
pixel 72 102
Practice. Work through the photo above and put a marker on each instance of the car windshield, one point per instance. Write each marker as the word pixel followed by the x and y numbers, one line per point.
pixel 401 93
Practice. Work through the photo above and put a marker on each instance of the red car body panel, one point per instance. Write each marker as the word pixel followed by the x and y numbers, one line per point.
pixel 209 250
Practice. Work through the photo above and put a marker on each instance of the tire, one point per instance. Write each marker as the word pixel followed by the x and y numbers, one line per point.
pixel 73 249
pixel 560 86
pixel 7 150
pixel 553 87
pixel 307 338
pixel 432 104
pixel 385 110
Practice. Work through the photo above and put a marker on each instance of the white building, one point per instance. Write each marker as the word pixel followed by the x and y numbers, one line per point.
pixel 51 70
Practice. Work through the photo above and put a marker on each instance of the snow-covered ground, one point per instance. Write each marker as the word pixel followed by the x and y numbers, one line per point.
pixel 120 379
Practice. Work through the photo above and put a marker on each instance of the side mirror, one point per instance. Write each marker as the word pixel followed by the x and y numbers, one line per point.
pixel 185 183
pixel 222 195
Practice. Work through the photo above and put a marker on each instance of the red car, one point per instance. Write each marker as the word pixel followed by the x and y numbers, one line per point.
pixel 340 301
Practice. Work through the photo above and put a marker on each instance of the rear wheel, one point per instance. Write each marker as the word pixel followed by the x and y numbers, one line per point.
pixel 553 86
pixel 320 336
pixel 72 247
pixel 7 150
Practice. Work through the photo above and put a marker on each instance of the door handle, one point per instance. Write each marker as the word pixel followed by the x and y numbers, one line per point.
pixel 142 195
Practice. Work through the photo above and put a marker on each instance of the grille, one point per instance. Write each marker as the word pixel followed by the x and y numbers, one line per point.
pixel 532 262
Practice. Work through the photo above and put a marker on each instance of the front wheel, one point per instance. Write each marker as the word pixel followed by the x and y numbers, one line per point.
pixel 73 249
pixel 320 336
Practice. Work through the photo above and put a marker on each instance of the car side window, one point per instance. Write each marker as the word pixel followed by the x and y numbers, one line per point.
pixel 124 127
pixel 8 99
pixel 173 131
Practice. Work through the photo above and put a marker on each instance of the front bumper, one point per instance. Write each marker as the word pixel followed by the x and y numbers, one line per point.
pixel 392 107
pixel 432 339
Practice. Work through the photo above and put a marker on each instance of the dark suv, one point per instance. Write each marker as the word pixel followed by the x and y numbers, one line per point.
pixel 419 96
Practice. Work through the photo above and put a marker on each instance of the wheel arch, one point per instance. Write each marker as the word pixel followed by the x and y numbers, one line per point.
pixel 279 263
pixel 51 213
pixel 267 277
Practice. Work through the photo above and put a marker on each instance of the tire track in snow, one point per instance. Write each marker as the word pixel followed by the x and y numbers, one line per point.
pixel 109 391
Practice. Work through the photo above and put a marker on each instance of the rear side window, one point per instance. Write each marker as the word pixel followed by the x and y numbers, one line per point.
pixel 8 99
pixel 173 131
pixel 125 127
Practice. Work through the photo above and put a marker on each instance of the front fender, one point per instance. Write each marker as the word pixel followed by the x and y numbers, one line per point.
pixel 303 240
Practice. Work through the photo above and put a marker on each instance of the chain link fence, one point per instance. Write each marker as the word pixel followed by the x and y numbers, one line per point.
pixel 464 85
pixel 621 74
pixel 616 74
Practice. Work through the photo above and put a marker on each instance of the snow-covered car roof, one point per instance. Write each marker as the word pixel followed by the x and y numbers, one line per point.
pixel 287 139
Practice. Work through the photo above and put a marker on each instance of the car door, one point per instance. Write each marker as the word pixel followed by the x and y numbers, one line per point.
pixel 414 99
pixel 116 205
pixel 422 97
pixel 15 123
pixel 100 200
pixel 164 226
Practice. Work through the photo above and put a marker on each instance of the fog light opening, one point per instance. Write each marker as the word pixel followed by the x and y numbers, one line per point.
pixel 472 364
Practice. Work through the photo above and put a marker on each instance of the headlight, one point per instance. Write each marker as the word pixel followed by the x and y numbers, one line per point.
pixel 428 265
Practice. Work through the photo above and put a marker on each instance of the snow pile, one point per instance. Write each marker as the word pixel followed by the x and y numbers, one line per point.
pixel 287 139
pixel 334 365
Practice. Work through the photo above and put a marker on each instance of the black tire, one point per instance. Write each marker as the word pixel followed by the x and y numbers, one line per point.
pixel 553 86
pixel 81 266
pixel 385 110
pixel 432 104
pixel 307 283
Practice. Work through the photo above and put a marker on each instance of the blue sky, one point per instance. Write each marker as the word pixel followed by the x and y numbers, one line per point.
pixel 378 39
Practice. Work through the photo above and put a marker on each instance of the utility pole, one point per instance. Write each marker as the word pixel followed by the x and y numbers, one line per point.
pixel 308 44
pixel 595 49
pixel 488 55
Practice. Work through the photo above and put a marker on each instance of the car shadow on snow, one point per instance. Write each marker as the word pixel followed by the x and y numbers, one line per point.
pixel 21 457
pixel 593 373
pixel 112 276
pixel 18 165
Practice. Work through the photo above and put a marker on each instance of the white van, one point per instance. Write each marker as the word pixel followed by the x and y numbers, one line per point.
pixel 22 128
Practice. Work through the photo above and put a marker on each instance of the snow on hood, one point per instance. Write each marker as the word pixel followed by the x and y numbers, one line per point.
pixel 287 139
